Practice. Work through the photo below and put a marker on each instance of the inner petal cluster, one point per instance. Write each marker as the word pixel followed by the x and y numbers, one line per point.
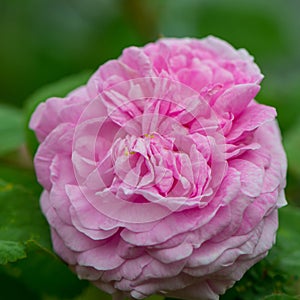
pixel 153 164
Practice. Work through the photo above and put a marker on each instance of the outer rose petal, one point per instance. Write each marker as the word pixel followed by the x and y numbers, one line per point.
pixel 50 114
pixel 236 99
pixel 162 174
pixel 58 142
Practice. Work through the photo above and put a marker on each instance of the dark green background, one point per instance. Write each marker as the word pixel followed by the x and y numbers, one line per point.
pixel 42 41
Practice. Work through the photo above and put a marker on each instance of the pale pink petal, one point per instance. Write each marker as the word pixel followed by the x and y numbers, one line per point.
pixel 101 258
pixel 236 99
pixel 59 141
pixel 253 117
pixel 251 177
pixel 171 255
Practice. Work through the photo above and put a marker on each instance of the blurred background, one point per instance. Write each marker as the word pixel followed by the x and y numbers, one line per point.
pixel 42 41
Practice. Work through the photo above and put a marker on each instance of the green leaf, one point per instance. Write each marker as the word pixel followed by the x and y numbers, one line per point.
pixel 13 289
pixel 280 297
pixel 21 218
pixel 11 130
pixel 93 293
pixel 155 297
pixel 45 274
pixel 57 89
pixel 11 251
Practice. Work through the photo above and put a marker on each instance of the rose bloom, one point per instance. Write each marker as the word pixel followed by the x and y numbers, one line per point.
pixel 163 175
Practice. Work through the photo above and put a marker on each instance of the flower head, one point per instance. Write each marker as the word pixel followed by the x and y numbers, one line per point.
pixel 163 174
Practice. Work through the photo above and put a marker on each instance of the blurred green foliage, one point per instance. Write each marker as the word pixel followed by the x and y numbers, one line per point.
pixel 43 41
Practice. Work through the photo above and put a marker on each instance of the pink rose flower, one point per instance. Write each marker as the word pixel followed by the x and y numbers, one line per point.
pixel 163 174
